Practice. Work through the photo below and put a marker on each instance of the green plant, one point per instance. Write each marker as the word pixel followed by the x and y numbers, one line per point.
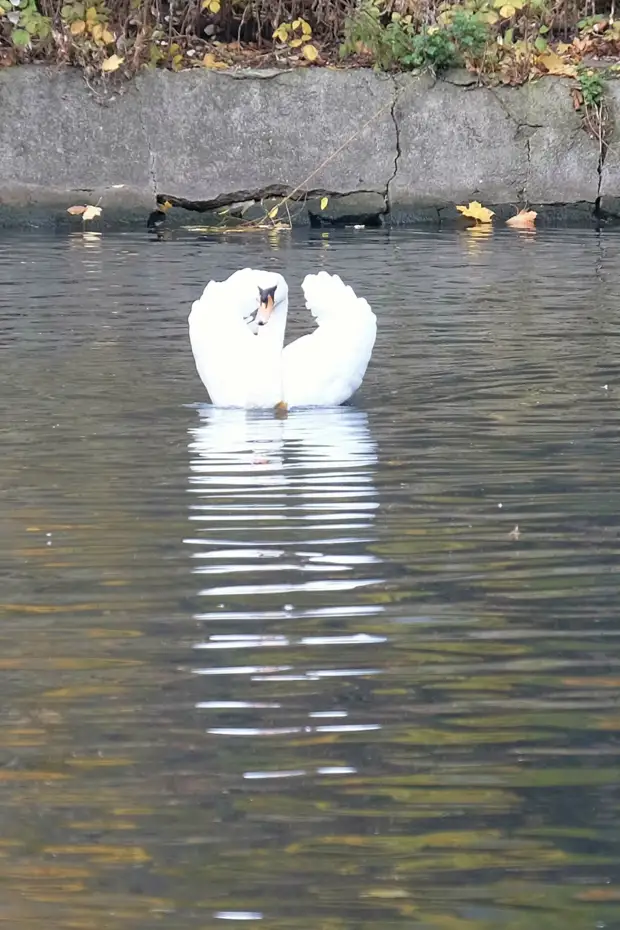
pixel 27 22
pixel 431 48
pixel 592 87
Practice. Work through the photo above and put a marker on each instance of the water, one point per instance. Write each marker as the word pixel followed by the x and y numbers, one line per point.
pixel 356 668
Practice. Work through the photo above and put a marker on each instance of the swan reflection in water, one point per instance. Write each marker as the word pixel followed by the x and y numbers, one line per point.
pixel 283 511
pixel 280 499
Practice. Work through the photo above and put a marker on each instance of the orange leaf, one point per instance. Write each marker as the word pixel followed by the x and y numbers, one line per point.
pixel 525 219
pixel 76 211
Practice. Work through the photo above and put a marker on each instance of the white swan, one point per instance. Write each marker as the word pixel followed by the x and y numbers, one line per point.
pixel 237 329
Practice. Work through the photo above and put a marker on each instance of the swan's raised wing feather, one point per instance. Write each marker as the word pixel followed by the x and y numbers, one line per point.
pixel 326 367
pixel 221 340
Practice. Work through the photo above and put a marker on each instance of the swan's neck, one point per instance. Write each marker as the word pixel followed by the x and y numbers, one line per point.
pixel 267 375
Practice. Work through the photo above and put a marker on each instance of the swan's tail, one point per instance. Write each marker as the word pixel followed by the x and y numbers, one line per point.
pixel 328 297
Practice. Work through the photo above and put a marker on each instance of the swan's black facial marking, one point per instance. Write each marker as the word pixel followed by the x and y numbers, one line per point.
pixel 267 299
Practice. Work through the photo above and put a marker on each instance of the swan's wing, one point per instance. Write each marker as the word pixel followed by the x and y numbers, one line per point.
pixel 221 340
pixel 328 366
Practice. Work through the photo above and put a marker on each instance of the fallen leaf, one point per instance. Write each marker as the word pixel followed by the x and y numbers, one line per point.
pixel 112 63
pixel 324 202
pixel 107 37
pixel 477 212
pixel 295 43
pixel 525 219
pixel 97 32
pixel 310 52
pixel 77 28
pixel 76 211
pixel 514 534
pixel 577 98
pixel 553 64
pixel 507 11
pixel 91 212
pixel 210 61
pixel 273 213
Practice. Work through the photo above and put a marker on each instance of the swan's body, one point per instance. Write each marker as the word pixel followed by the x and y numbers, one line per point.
pixel 237 336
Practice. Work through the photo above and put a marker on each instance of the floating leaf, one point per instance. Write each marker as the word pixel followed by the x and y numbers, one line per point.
pixel 91 212
pixel 77 28
pixel 273 212
pixel 477 212
pixel 112 63
pixel 20 38
pixel 324 202
pixel 76 211
pixel 310 52
pixel 210 61
pixel 507 11
pixel 525 219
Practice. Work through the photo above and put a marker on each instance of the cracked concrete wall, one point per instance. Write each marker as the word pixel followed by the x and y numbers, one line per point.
pixel 410 145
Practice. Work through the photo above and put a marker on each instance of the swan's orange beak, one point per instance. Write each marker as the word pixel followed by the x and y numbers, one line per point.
pixel 264 311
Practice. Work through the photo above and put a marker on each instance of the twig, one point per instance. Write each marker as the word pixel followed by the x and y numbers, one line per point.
pixel 358 132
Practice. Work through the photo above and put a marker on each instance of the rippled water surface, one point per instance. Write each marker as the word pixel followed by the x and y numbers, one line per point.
pixel 356 668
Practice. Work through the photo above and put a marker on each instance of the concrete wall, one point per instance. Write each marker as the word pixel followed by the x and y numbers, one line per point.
pixel 213 138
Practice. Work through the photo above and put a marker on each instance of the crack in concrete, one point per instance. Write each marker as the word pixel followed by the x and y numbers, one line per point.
pixel 152 173
pixel 392 178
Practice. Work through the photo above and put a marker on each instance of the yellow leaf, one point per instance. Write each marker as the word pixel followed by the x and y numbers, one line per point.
pixel 97 32
pixel 214 6
pixel 76 211
pixel 91 212
pixel 477 212
pixel 77 27
pixel 273 213
pixel 491 17
pixel 310 52
pixel 507 11
pixel 107 37
pixel 306 28
pixel 295 43
pixel 324 202
pixel 296 24
pixel 91 15
pixel 525 219
pixel 209 61
pixel 553 64
pixel 112 63
pixel 281 33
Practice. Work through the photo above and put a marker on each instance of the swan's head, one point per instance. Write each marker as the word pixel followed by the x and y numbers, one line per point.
pixel 272 295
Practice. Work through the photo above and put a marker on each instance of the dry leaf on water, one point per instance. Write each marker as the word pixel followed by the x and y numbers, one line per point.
pixel 475 211
pixel 324 202
pixel 525 219
pixel 76 211
pixel 91 212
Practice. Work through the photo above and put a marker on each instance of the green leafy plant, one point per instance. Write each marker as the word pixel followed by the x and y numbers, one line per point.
pixel 592 87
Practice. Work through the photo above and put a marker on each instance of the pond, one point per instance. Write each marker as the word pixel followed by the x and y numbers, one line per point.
pixel 354 668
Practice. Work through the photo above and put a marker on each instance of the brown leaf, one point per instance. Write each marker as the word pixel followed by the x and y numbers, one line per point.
pixel 553 64
pixel 525 219
pixel 76 211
